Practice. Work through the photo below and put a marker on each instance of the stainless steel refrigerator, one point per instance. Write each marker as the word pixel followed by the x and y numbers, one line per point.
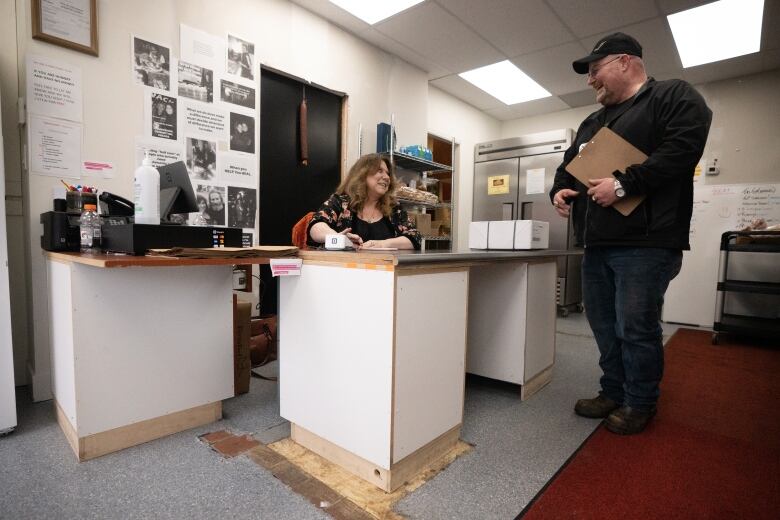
pixel 512 179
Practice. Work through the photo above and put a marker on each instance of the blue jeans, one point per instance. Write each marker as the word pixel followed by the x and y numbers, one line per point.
pixel 623 291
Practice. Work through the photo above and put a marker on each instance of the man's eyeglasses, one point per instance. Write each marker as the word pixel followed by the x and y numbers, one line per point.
pixel 595 70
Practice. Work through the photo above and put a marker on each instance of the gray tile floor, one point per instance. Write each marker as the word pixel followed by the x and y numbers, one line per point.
pixel 519 446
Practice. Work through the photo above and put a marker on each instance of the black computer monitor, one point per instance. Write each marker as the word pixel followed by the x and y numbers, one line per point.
pixel 176 195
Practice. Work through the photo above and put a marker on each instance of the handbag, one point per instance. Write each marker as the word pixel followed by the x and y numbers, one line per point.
pixel 263 343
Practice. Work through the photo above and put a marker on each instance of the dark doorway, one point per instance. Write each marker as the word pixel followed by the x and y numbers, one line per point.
pixel 288 189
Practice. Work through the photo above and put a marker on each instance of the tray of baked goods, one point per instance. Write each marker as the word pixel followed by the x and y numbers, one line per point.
pixel 412 195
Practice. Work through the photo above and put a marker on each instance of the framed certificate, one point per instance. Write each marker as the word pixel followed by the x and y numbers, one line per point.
pixel 69 23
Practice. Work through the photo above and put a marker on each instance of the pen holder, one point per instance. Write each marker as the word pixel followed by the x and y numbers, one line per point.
pixel 75 201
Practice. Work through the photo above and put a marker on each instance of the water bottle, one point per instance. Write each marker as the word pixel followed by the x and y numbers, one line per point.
pixel 89 229
pixel 147 193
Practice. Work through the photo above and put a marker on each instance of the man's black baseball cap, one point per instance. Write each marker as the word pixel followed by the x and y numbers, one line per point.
pixel 617 43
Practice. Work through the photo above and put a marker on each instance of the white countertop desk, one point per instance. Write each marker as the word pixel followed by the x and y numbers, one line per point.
pixel 142 346
pixel 373 348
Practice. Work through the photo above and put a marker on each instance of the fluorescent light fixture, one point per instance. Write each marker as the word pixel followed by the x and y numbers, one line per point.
pixel 717 31
pixel 373 11
pixel 505 82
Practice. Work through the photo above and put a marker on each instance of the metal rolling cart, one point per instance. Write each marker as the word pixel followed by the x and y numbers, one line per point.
pixel 741 323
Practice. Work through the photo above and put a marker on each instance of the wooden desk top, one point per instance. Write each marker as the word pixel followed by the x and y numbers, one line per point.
pixel 146 261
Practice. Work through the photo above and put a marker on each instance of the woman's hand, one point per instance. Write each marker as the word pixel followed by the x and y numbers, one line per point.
pixel 357 242
pixel 373 243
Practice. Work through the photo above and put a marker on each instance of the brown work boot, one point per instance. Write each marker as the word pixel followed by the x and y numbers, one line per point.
pixel 628 421
pixel 596 408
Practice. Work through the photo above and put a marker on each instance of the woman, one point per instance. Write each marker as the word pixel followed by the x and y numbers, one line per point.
pixel 365 210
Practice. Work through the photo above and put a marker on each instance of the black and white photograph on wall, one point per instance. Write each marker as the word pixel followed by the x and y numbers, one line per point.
pixel 201 158
pixel 237 94
pixel 242 133
pixel 151 64
pixel 163 116
pixel 246 239
pixel 196 82
pixel 240 57
pixel 214 197
pixel 242 205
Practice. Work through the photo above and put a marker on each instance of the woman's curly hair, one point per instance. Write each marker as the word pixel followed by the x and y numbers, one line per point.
pixel 354 184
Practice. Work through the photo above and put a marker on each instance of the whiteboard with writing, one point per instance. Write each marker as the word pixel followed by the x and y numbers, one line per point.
pixel 690 298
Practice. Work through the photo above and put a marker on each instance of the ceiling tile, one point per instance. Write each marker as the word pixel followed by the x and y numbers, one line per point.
pixel 589 17
pixel 675 6
pixel 551 68
pixel 513 27
pixel 433 69
pixel 440 37
pixel 770 38
pixel 770 60
pixel 467 92
pixel 658 49
pixel 724 69
pixel 334 14
pixel 528 109
pixel 580 99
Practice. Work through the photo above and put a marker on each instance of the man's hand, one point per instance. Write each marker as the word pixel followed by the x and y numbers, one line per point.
pixel 602 191
pixel 560 201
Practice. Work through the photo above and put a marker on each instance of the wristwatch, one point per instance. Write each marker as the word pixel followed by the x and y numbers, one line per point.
pixel 620 192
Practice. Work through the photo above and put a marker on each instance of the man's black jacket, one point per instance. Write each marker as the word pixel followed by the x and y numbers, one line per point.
pixel 668 121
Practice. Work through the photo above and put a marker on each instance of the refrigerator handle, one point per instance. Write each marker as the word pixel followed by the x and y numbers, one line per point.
pixel 508 211
pixel 526 211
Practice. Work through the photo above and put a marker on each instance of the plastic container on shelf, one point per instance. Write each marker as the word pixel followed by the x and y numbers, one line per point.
pixel 89 230
pixel 147 193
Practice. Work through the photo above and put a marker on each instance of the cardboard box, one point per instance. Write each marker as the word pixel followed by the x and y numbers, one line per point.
pixel 242 365
pixel 501 234
pixel 478 235
pixel 436 226
pixel 518 234
pixel 423 223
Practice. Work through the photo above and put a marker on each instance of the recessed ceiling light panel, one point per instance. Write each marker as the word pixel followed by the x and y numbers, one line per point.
pixel 717 31
pixel 505 82
pixel 373 11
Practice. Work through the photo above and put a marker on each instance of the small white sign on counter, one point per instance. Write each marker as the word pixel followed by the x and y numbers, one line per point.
pixel 286 266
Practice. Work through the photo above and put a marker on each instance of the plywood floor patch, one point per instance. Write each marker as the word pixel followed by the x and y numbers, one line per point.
pixel 365 495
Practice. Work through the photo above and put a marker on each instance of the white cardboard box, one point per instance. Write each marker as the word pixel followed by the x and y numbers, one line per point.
pixel 478 235
pixel 532 234
pixel 510 234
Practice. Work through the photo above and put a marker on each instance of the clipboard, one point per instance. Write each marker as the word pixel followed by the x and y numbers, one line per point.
pixel 606 152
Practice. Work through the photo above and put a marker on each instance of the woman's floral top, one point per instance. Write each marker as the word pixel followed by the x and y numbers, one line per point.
pixel 335 212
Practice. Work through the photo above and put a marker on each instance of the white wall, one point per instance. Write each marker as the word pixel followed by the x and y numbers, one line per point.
pixel 447 118
pixel 287 38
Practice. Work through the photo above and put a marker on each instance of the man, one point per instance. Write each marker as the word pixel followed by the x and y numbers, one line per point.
pixel 630 260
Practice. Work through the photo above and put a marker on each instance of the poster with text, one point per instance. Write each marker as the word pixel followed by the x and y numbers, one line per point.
pixel 201 48
pixel 237 169
pixel 163 116
pixel 55 147
pixel 160 153
pixel 54 88
pixel 247 239
pixel 202 120
pixel 237 94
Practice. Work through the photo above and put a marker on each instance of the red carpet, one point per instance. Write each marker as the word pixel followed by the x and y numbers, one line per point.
pixel 712 451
